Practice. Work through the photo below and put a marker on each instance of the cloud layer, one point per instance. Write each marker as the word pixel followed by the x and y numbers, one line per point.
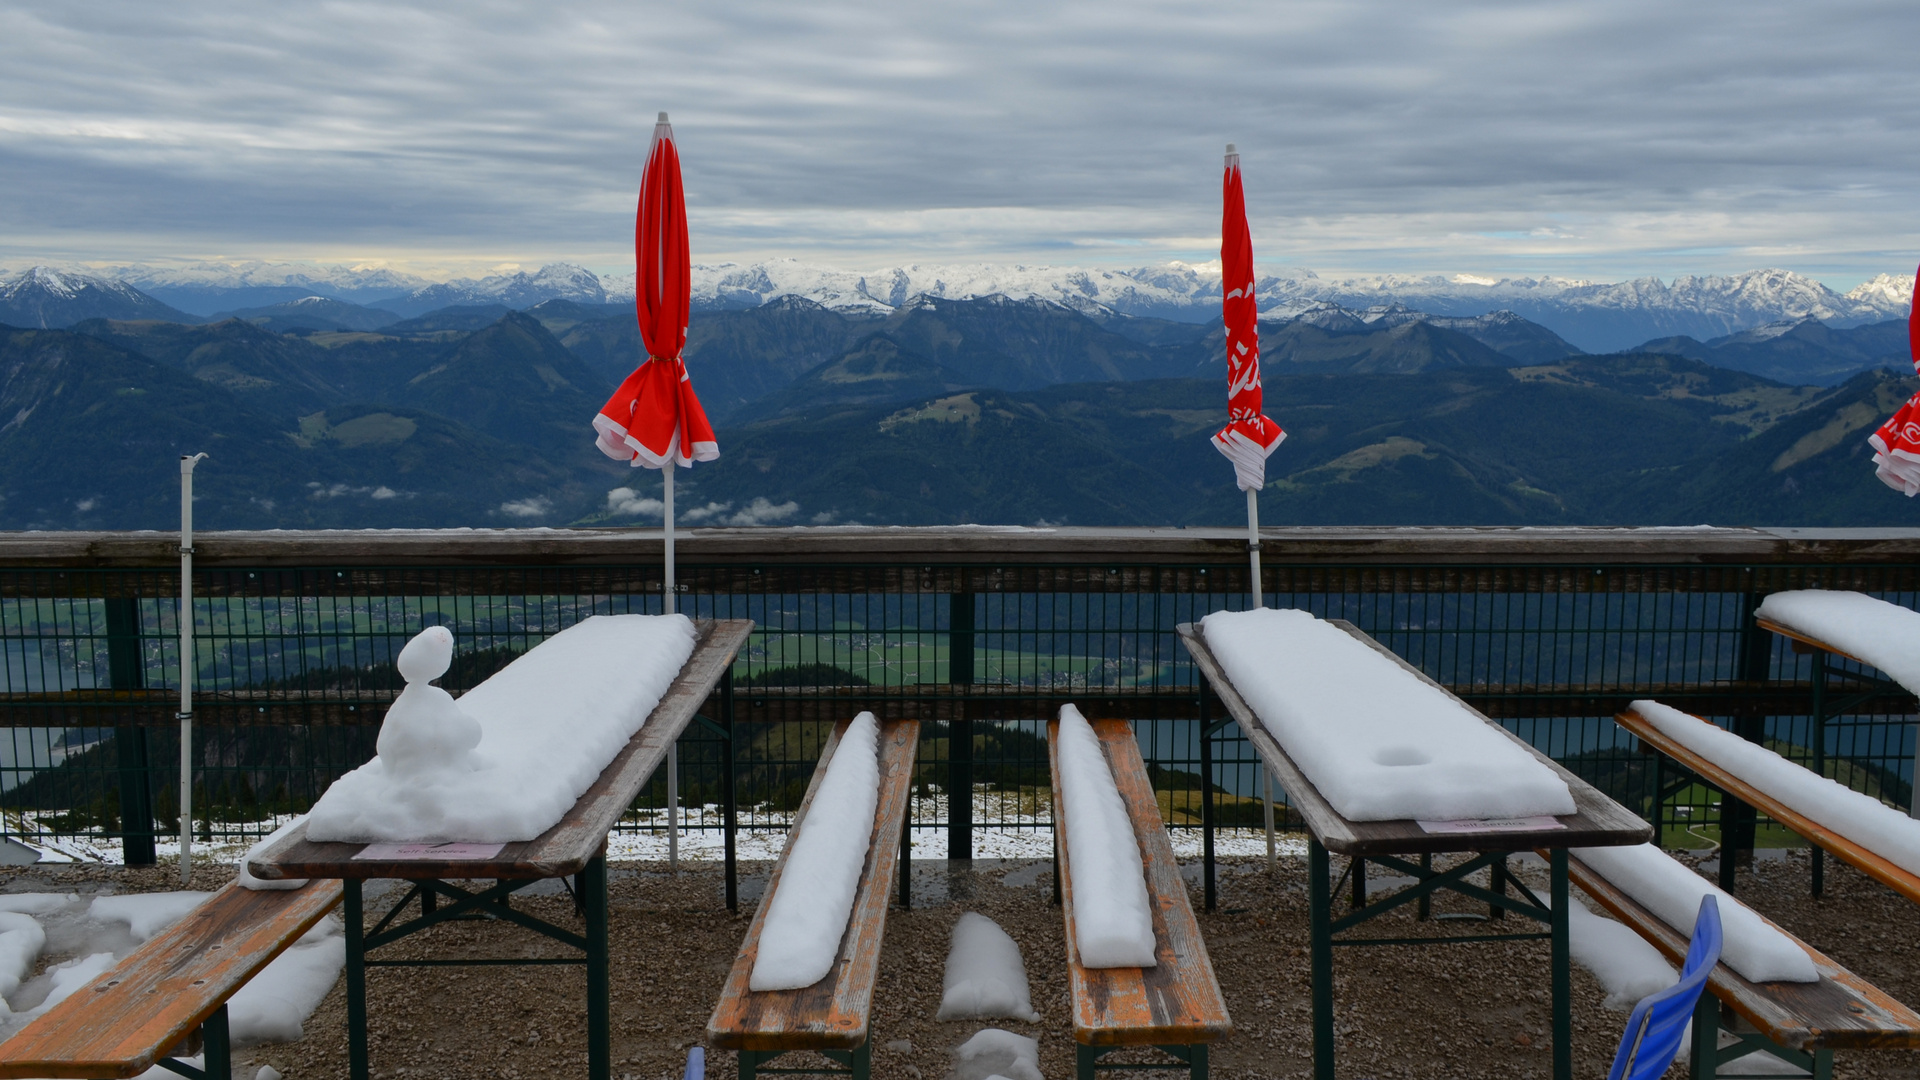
pixel 1639 136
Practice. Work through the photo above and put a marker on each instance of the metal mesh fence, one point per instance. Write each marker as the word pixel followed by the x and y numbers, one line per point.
pixel 294 671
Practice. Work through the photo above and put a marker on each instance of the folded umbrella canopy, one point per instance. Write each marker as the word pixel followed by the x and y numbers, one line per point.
pixel 1896 446
pixel 1249 436
pixel 654 415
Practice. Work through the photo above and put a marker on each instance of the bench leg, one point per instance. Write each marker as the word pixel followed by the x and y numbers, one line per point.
pixel 858 1062
pixel 1320 931
pixel 355 917
pixel 219 1050
pixel 1562 971
pixel 592 885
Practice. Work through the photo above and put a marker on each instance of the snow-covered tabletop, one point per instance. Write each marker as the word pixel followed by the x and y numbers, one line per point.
pixel 1874 631
pixel 1376 740
pixel 548 723
pixel 569 845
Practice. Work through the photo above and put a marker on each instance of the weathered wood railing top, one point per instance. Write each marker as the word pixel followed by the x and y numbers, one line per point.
pixel 961 544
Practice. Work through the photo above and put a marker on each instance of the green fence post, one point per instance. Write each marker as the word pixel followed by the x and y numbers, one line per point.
pixel 960 728
pixel 126 670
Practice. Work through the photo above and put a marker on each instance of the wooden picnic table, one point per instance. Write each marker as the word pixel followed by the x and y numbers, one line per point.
pixel 575 846
pixel 1597 821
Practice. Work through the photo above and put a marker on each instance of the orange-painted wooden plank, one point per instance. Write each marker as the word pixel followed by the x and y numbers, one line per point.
pixel 1179 1000
pixel 119 1024
pixel 832 1013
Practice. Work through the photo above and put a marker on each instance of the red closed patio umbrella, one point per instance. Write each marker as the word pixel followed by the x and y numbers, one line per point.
pixel 1896 446
pixel 653 419
pixel 1249 436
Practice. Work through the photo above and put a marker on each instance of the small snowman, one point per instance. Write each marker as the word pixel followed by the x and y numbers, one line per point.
pixel 426 730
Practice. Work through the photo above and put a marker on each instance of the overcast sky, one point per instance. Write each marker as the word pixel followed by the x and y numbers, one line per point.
pixel 1595 139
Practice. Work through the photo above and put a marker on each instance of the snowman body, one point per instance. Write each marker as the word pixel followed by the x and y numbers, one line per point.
pixel 425 730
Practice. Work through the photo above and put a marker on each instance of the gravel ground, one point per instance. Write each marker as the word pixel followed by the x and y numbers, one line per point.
pixel 1466 1010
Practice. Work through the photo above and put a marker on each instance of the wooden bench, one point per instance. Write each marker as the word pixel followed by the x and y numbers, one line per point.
pixel 1874 866
pixel 153 1002
pixel 829 1017
pixel 1175 1006
pixel 1861 690
pixel 1801 1023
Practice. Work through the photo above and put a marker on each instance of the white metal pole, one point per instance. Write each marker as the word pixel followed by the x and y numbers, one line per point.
pixel 1267 779
pixel 668 605
pixel 666 592
pixel 1253 544
pixel 187 666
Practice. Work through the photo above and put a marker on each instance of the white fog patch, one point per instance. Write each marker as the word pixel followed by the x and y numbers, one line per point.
pixel 87 505
pixel 824 517
pixel 760 511
pixel 628 502
pixel 537 506
pixel 317 490
pixel 384 492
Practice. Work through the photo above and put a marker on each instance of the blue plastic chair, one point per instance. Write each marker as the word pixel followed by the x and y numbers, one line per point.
pixel 697 1063
pixel 1660 1020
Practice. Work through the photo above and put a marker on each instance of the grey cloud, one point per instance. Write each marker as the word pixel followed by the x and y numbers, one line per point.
pixel 1631 137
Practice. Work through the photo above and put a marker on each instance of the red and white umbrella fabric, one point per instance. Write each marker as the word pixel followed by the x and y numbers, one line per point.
pixel 654 417
pixel 1896 446
pixel 1249 436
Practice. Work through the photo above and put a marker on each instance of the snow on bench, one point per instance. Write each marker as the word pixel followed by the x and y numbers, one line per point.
pixel 1174 1004
pixel 1880 841
pixel 548 725
pixel 1803 1021
pixel 1754 947
pixel 843 852
pixel 150 1004
pixel 1854 625
pixel 1377 741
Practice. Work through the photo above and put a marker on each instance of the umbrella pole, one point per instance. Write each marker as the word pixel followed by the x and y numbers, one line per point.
pixel 1253 544
pixel 673 751
pixel 187 666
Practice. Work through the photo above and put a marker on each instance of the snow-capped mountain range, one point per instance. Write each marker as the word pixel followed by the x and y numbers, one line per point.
pixel 1597 316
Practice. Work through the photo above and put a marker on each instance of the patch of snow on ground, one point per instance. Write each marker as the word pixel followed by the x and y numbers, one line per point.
pixel 1380 743
pixel 808 913
pixel 995 1052
pixel 1112 916
pixel 985 977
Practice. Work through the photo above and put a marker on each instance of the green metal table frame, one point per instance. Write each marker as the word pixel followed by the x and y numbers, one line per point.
pixel 216 1048
pixel 1708 1055
pixel 1323 926
pixel 589 890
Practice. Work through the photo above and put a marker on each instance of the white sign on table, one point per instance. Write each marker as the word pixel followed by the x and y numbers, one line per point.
pixel 1484 825
pixel 429 852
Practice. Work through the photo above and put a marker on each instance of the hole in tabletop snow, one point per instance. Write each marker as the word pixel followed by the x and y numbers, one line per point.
pixel 1400 755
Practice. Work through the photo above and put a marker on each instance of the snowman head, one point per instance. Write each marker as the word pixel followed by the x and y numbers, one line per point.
pixel 427 656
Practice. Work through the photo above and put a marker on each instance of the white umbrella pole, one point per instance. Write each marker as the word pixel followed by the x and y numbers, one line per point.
pixel 1267 779
pixel 673 751
pixel 1253 544
pixel 187 667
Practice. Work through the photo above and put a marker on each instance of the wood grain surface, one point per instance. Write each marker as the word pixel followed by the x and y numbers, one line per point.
pixel 1840 1012
pixel 1178 1001
pixel 566 847
pixel 832 1013
pixel 1597 821
pixel 1853 853
pixel 122 1022
pixel 1802 642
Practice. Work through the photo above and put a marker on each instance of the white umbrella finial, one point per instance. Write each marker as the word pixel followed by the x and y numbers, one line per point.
pixel 1230 146
pixel 663 118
